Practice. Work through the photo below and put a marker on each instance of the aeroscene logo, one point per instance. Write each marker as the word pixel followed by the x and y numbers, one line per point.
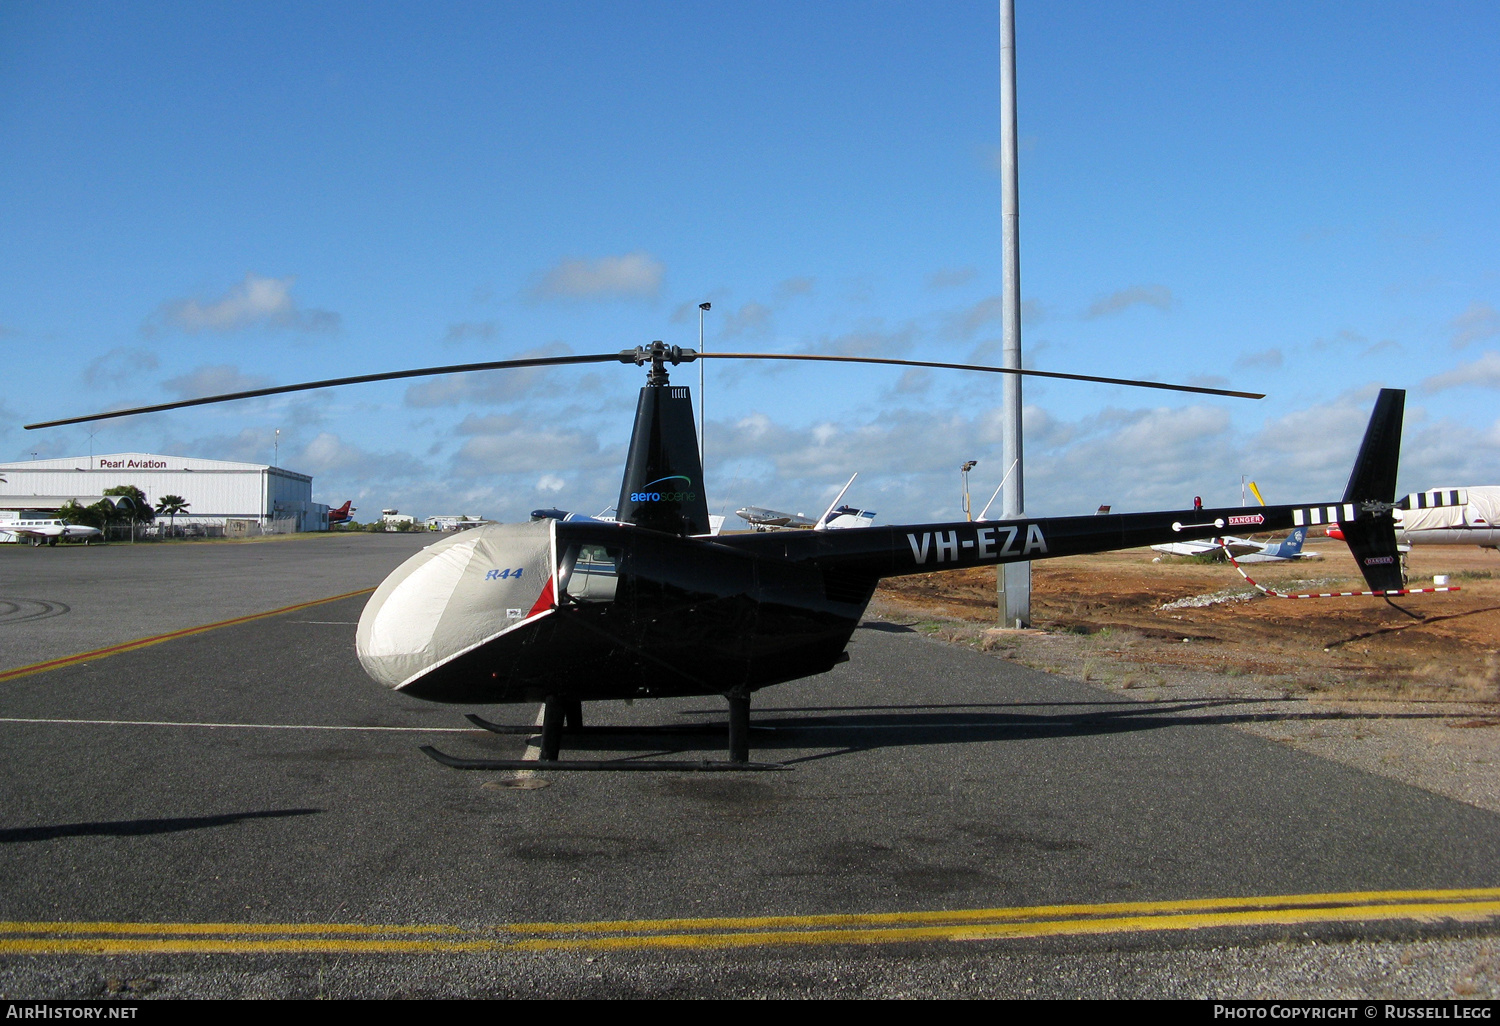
pixel 647 495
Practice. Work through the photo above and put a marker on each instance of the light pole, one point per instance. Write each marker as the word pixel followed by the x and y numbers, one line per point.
pixel 703 308
pixel 964 470
pixel 1013 580
pixel 276 452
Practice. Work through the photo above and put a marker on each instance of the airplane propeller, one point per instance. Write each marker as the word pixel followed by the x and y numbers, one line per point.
pixel 657 354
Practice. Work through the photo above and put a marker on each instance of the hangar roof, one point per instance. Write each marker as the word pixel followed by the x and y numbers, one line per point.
pixel 143 461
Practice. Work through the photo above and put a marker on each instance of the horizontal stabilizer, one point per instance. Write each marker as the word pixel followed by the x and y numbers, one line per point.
pixel 1435 498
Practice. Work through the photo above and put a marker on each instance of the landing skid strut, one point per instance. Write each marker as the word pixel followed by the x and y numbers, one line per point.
pixel 565 716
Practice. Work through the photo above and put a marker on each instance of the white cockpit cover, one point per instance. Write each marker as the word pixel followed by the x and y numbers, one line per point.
pixel 452 596
pixel 1482 511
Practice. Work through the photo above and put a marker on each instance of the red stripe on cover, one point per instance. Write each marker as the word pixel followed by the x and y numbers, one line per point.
pixel 544 601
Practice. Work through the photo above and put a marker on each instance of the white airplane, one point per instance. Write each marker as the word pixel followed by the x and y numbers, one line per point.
pixel 838 519
pixel 1243 549
pixel 1447 516
pixel 835 518
pixel 49 532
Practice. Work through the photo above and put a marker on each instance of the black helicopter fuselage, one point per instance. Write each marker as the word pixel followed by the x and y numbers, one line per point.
pixel 654 607
pixel 715 615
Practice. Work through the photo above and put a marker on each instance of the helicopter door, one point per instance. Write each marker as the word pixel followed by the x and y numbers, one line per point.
pixel 588 573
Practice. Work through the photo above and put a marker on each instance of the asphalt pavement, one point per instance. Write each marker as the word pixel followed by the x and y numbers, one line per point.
pixel 242 811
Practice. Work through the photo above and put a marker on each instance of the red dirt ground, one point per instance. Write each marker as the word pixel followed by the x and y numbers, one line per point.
pixel 1444 645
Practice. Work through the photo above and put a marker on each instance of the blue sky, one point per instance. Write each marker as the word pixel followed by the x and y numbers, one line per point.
pixel 1297 199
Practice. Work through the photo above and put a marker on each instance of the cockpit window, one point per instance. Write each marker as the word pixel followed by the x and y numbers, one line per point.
pixel 588 573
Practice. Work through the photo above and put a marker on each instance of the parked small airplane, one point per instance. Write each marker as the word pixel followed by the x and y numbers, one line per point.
pixel 838 518
pixel 1243 549
pixel 569 518
pixel 1447 516
pixel 50 532
pixel 343 514
pixel 835 518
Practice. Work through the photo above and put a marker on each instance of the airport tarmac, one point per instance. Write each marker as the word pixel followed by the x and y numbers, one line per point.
pixel 240 811
pixel 116 593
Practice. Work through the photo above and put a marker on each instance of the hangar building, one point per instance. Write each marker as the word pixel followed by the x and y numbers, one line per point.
pixel 216 491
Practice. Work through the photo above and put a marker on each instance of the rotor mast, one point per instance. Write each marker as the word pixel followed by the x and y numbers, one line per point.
pixel 663 484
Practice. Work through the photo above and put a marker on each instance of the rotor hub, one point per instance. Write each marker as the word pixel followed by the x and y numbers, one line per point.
pixel 658 354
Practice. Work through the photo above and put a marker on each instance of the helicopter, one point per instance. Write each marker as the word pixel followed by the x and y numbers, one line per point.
pixel 654 605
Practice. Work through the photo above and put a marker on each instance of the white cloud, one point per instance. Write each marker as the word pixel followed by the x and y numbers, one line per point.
pixel 750 319
pixel 215 379
pixel 914 380
pixel 1483 372
pixel 990 310
pixel 796 287
pixel 1133 459
pixel 254 302
pixel 1476 324
pixel 1158 296
pixel 521 449
pixel 634 275
pixel 1270 359
pixel 327 453
pixel 492 386
pixel 951 277
pixel 1340 339
pixel 870 341
pixel 466 331
pixel 550 483
pixel 118 364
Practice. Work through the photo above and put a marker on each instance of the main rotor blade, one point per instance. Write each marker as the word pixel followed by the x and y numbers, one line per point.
pixel 977 367
pixel 636 356
pixel 254 393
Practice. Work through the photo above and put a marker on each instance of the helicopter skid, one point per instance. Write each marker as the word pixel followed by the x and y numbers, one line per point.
pixel 702 766
pixel 676 728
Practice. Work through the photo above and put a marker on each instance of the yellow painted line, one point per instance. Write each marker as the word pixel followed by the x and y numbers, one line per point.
pixel 220 928
pixel 117 938
pixel 1467 911
pixel 131 646
pixel 311 945
pixel 992 914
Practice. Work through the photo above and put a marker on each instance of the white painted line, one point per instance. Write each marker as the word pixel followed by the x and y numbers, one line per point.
pixel 235 726
pixel 533 748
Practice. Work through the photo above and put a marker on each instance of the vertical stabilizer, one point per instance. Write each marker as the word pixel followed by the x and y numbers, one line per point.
pixel 1290 547
pixel 1372 491
pixel 663 485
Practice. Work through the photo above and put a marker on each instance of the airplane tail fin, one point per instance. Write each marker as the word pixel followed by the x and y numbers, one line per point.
pixel 1291 546
pixel 1371 534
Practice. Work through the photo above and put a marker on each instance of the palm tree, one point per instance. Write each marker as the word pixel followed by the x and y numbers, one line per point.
pixel 171 505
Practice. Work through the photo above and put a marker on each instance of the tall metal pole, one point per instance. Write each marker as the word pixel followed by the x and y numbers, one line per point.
pixel 1013 583
pixel 702 309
